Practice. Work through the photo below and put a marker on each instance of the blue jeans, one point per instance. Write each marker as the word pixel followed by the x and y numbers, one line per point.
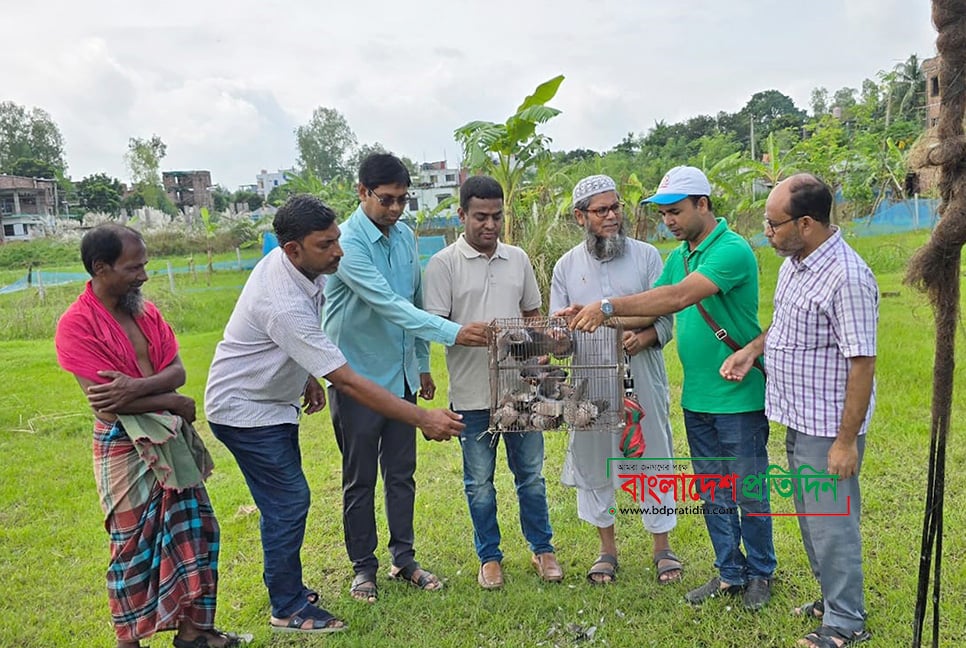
pixel 270 459
pixel 524 454
pixel 744 436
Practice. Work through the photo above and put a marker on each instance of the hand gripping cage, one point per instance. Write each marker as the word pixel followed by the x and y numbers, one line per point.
pixel 543 376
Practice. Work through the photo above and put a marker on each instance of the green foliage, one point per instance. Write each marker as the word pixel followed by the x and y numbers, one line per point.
pixel 33 168
pixel 40 251
pixel 278 195
pixel 143 159
pixel 100 193
pixel 325 144
pixel 250 198
pixel 148 195
pixel 221 198
pixel 339 193
pixel 509 150
pixel 364 151
pixel 29 135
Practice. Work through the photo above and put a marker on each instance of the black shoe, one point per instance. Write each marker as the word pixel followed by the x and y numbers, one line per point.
pixel 710 590
pixel 757 593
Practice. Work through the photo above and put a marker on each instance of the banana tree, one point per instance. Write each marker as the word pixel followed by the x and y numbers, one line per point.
pixel 509 150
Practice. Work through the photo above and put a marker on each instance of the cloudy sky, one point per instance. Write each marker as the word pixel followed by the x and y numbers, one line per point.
pixel 225 83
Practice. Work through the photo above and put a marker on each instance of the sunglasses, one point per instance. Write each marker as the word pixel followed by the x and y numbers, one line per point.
pixel 387 201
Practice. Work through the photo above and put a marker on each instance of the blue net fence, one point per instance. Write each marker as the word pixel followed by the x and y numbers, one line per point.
pixel 36 278
pixel 889 218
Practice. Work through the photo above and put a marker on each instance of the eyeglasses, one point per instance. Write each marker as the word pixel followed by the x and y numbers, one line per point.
pixel 601 212
pixel 770 225
pixel 387 201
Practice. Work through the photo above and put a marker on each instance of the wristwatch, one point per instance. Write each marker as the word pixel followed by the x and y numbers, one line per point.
pixel 606 308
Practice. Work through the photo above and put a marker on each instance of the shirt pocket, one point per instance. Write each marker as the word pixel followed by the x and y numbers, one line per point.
pixel 806 326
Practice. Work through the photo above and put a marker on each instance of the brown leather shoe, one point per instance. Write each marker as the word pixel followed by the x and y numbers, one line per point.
pixel 548 567
pixel 491 575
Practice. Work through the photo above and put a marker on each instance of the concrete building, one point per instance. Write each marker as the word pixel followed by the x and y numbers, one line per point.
pixel 188 189
pixel 436 183
pixel 28 207
pixel 265 181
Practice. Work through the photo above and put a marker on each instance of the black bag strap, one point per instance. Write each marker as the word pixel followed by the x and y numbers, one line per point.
pixel 719 331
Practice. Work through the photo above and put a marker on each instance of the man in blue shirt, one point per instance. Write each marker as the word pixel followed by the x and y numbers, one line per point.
pixel 373 313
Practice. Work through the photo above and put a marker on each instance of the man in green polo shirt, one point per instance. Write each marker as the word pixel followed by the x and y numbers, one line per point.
pixel 726 426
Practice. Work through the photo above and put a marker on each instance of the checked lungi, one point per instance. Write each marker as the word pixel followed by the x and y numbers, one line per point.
pixel 164 542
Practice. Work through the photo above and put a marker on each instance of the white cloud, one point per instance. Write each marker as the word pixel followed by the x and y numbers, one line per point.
pixel 225 83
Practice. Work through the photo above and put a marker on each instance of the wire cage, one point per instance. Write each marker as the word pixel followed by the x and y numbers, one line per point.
pixel 543 376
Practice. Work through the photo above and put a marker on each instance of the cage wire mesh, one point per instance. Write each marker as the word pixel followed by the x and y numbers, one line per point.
pixel 543 376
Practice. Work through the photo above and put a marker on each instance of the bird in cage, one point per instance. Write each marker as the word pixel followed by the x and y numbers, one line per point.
pixel 524 343
pixel 579 412
pixel 543 422
pixel 548 407
pixel 505 416
pixel 562 342
pixel 521 391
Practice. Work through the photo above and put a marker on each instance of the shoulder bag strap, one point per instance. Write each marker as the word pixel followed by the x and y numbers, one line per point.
pixel 719 331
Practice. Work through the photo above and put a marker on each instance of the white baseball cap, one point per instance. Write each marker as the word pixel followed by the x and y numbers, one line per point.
pixel 679 183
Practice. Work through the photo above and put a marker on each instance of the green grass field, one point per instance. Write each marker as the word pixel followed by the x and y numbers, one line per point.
pixel 53 549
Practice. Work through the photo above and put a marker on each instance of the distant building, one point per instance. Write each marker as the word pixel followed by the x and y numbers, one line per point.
pixel 251 188
pixel 266 181
pixel 922 177
pixel 188 189
pixel 28 207
pixel 436 183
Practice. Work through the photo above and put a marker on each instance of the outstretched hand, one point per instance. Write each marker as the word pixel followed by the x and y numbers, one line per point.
pixel 440 424
pixel 569 311
pixel 589 318
pixel 473 334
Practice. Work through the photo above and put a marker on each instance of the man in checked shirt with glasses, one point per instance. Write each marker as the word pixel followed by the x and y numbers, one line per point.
pixel 820 352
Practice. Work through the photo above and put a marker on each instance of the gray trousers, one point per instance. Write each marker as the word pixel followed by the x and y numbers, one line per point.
pixel 833 542
pixel 367 441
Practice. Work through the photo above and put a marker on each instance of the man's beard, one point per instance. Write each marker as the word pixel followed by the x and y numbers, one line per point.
pixel 132 303
pixel 605 248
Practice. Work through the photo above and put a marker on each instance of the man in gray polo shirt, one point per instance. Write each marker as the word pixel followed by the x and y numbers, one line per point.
pixel 478 278
pixel 273 352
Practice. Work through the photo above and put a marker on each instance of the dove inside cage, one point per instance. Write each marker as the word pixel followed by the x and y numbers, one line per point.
pixel 543 376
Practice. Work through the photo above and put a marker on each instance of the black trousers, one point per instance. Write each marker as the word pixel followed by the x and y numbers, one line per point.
pixel 367 441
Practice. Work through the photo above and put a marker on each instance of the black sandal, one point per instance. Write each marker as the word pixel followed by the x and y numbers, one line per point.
pixel 813 610
pixel 323 622
pixel 201 641
pixel 608 569
pixel 675 565
pixel 825 636
pixel 425 580
pixel 364 588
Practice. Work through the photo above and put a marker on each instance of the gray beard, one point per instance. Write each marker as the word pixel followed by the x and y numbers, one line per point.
pixel 132 303
pixel 606 248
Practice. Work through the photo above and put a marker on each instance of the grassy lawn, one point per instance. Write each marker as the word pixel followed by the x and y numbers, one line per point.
pixel 53 549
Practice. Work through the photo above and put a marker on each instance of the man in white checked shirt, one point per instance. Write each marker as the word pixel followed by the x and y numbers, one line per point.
pixel 820 353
